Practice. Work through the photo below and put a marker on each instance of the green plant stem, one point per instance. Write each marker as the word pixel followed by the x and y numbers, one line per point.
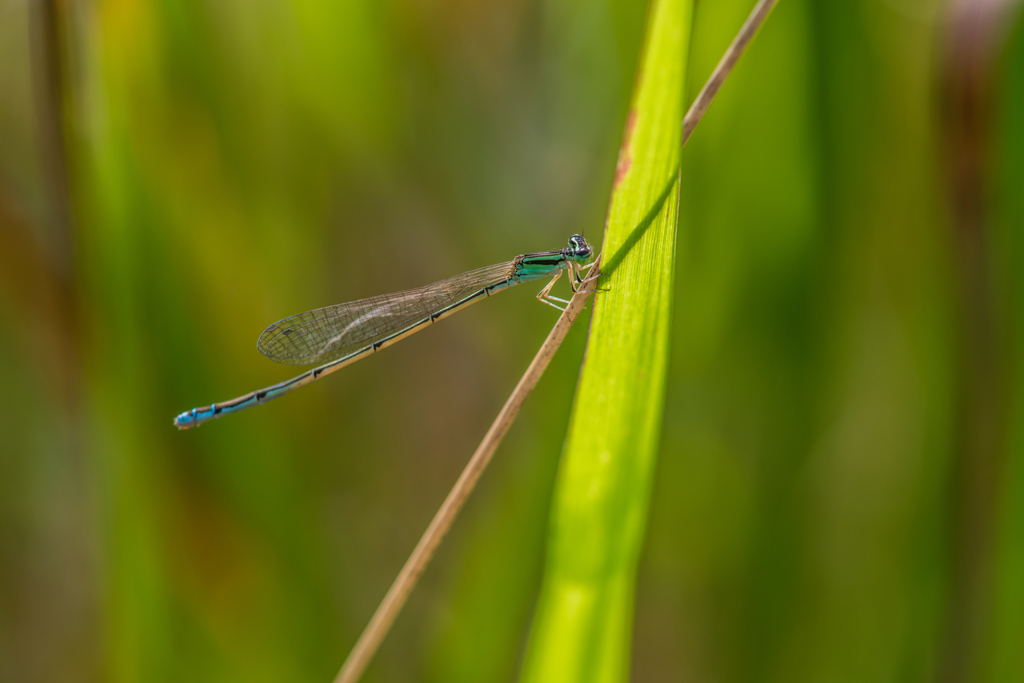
pixel 583 623
pixel 381 622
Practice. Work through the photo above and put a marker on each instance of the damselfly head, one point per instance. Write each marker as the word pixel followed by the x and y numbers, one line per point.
pixel 578 249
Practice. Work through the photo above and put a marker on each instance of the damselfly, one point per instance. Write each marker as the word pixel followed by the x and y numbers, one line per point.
pixel 336 336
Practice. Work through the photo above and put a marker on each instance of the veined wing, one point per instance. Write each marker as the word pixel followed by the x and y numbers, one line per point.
pixel 325 334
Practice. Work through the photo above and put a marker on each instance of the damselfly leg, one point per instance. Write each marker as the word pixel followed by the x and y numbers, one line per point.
pixel 546 296
pixel 578 280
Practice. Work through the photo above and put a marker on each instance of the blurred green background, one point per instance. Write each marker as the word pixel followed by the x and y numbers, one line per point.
pixel 840 492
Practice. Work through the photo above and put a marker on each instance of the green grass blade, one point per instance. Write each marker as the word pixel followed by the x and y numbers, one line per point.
pixel 582 627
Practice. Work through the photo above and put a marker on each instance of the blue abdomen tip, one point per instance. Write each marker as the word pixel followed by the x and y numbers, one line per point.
pixel 185 420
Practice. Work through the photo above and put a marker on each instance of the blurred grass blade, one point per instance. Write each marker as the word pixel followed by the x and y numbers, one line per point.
pixel 583 622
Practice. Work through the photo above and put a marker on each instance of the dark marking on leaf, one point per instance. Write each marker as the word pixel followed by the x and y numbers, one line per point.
pixel 625 154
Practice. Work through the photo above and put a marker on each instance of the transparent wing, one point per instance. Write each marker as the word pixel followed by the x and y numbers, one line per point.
pixel 325 334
